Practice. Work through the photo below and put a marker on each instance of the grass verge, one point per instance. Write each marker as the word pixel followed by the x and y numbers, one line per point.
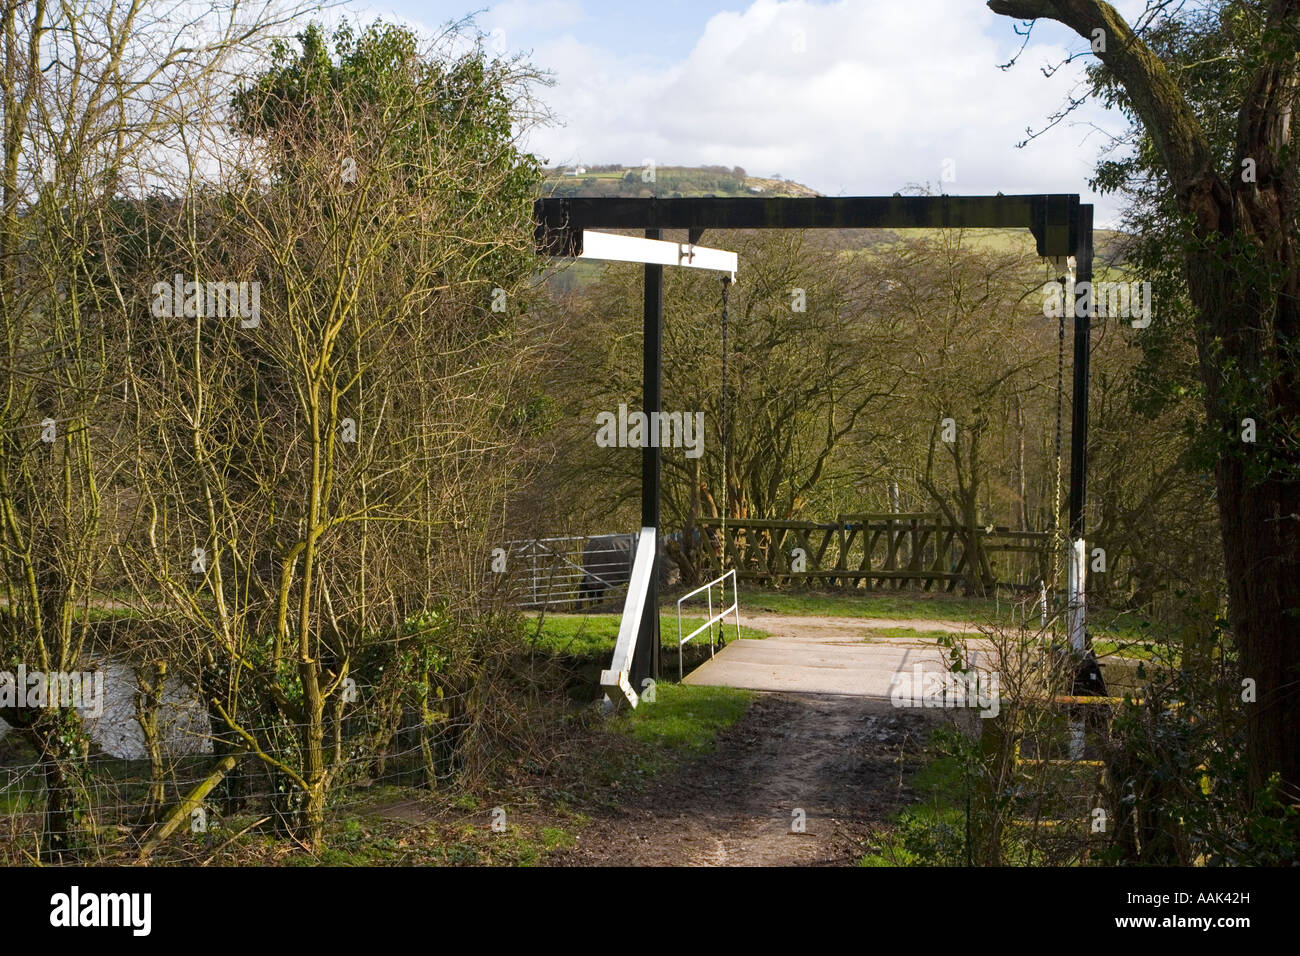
pixel 578 635
pixel 682 723
pixel 931 831
pixel 905 605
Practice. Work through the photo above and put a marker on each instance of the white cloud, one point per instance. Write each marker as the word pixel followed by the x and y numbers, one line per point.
pixel 848 97
pixel 519 15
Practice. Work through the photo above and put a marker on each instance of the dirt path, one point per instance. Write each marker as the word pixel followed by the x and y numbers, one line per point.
pixel 838 759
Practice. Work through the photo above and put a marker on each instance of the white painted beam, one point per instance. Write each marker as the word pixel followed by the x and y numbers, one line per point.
pixel 1076 585
pixel 615 680
pixel 608 246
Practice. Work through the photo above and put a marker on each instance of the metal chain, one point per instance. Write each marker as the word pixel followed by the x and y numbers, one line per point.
pixel 1060 400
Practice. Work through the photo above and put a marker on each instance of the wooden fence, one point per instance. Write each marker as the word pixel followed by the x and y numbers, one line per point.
pixel 877 551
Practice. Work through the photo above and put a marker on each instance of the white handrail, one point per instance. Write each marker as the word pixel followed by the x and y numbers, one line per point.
pixel 615 680
pixel 713 619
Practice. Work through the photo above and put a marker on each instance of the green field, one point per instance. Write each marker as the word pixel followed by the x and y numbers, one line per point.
pixel 903 605
pixel 979 240
pixel 579 635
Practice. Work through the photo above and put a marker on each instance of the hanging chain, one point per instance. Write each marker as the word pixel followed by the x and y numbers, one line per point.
pixel 1060 400
pixel 722 554
pixel 726 285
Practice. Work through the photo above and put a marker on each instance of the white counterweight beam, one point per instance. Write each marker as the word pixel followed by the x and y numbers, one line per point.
pixel 605 245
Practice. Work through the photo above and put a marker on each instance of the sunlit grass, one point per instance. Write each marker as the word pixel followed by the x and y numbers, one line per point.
pixel 684 717
pixel 904 605
pixel 578 635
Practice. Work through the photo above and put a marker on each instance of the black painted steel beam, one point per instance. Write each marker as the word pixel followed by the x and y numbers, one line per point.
pixel 1061 226
pixel 1052 218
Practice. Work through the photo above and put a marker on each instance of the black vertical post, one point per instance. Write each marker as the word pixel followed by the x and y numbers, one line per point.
pixel 1079 412
pixel 645 662
pixel 1082 345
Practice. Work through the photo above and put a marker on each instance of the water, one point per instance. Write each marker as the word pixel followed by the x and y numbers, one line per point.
pixel 182 720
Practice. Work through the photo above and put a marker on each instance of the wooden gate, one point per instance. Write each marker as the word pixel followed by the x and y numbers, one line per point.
pixel 876 551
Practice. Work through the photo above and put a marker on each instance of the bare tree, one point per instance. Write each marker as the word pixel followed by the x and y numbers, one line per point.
pixel 94 94
pixel 323 465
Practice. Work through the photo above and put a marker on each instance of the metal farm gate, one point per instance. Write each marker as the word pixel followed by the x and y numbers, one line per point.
pixel 566 572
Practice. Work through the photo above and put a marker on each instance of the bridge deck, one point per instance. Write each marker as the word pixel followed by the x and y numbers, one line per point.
pixel 826 656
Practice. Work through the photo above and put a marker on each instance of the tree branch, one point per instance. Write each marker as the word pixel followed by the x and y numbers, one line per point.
pixel 1155 96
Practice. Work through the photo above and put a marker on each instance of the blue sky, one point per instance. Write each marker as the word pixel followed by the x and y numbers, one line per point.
pixel 851 97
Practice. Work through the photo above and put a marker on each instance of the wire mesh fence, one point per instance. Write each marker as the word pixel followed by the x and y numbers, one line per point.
pixel 116 804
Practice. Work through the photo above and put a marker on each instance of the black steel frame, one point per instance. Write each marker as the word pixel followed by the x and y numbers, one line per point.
pixel 1061 225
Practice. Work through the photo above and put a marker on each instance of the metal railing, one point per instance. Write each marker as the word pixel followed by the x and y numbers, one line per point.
pixel 718 618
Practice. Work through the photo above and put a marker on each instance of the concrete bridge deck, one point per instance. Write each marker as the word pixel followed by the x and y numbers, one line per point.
pixel 824 655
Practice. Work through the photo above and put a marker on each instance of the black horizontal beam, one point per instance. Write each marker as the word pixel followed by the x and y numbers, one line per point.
pixel 1052 218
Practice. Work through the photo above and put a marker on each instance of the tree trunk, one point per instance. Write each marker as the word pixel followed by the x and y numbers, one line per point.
pixel 1244 281
pixel 150 680
pixel 312 815
pixel 1020 466
pixel 56 742
pixel 1262 553
pixel 1245 338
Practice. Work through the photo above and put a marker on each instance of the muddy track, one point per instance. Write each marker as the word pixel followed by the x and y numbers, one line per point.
pixel 843 761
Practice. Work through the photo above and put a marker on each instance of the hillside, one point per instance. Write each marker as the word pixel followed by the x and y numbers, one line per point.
pixel 669 182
